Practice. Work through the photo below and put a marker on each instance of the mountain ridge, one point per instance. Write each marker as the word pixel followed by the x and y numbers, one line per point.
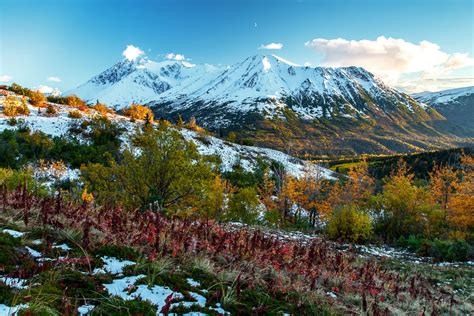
pixel 267 94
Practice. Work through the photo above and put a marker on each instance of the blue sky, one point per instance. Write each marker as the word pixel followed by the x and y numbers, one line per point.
pixel 72 40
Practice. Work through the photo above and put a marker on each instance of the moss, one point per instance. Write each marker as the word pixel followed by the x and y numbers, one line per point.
pixel 120 252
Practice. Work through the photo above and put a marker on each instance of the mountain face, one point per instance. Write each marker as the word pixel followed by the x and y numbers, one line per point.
pixel 138 81
pixel 276 103
pixel 457 105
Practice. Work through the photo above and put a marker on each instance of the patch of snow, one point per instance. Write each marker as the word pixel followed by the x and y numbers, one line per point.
pixel 193 283
pixel 128 290
pixel 33 253
pixel 85 309
pixel 14 282
pixel 13 233
pixel 113 265
pixel 63 247
pixel 11 310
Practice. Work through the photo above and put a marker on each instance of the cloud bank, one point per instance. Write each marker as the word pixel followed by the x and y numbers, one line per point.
pixel 48 90
pixel 271 46
pixel 132 52
pixel 390 58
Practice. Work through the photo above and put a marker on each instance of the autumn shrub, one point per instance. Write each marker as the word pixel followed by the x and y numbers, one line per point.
pixel 75 114
pixel 37 98
pixel 139 112
pixel 102 108
pixel 74 100
pixel 349 224
pixel 13 106
pixel 193 125
pixel 51 110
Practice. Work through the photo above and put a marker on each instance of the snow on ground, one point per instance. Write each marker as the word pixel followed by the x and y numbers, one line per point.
pixel 13 233
pixel 10 310
pixel 85 309
pixel 113 265
pixel 193 283
pixel 35 254
pixel 63 247
pixel 14 282
pixel 127 289
pixel 232 154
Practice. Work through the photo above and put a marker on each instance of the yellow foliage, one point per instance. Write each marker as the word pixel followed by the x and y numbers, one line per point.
pixel 87 197
pixel 37 98
pixel 139 112
pixel 12 106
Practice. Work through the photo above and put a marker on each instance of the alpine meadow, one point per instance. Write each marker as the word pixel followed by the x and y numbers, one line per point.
pixel 283 157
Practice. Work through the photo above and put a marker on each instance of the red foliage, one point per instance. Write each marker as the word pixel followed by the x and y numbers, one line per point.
pixel 310 265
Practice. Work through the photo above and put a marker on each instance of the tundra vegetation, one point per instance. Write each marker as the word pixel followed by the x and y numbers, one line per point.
pixel 164 214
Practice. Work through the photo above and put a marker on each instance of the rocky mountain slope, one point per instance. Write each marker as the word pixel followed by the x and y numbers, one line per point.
pixel 457 105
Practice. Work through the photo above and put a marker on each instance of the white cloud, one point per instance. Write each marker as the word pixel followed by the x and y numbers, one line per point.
pixel 271 46
pixel 48 90
pixel 389 58
pixel 5 78
pixel 54 79
pixel 307 64
pixel 175 56
pixel 132 52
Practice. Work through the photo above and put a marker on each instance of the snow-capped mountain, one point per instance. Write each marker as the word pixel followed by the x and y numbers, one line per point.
pixel 445 96
pixel 276 103
pixel 268 85
pixel 260 84
pixel 139 81
pixel 457 105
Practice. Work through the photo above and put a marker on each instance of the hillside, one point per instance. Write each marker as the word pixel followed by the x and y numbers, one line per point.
pixel 279 104
pixel 229 153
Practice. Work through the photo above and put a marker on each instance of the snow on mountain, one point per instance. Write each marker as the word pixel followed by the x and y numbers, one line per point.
pixel 264 84
pixel 230 153
pixel 139 81
pixel 445 96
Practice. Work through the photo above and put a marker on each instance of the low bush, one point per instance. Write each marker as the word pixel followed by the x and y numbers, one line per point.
pixel 139 112
pixel 349 224
pixel 13 106
pixel 75 114
pixel 51 110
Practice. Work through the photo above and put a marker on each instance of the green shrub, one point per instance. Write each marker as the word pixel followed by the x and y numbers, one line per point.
pixel 243 206
pixel 349 224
